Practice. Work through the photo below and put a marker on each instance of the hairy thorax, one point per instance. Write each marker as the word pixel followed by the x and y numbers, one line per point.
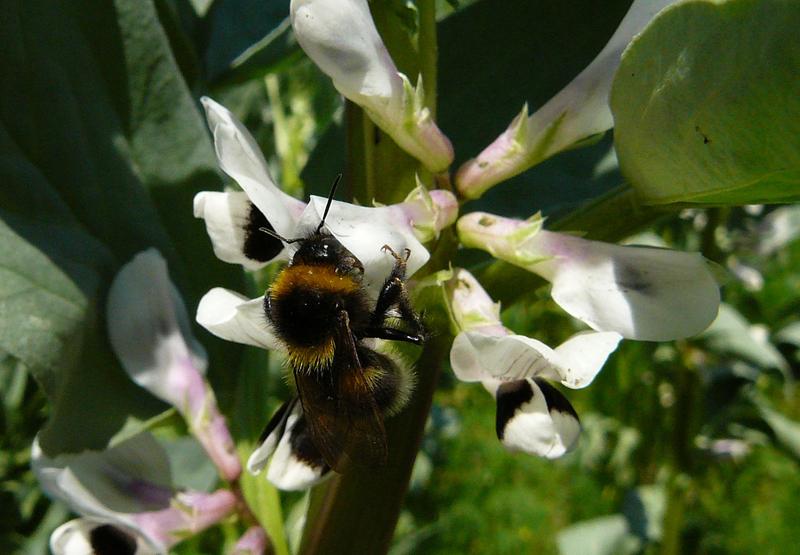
pixel 306 307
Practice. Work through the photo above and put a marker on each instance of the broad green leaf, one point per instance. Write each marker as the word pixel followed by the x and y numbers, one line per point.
pixel 704 104
pixel 96 111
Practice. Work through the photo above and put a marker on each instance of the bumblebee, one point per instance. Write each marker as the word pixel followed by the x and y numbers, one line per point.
pixel 321 311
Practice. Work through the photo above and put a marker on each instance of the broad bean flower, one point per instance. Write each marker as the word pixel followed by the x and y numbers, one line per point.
pixel 532 415
pixel 126 499
pixel 149 331
pixel 644 293
pixel 341 38
pixel 234 221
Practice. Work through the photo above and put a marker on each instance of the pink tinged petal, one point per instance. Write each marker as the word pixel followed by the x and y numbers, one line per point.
pixel 504 238
pixel 189 514
pixel 364 231
pixel 240 158
pixel 234 225
pixel 534 417
pixel 149 332
pixel 131 477
pixel 83 536
pixel 234 317
pixel 643 293
pixel 426 212
pixel 129 487
pixel 577 112
pixel 253 542
pixel 341 38
pixel 149 329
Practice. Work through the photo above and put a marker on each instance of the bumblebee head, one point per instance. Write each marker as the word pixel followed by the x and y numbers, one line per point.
pixel 323 249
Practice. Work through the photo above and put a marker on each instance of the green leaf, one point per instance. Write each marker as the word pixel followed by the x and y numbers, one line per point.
pixel 786 430
pixel 96 112
pixel 732 335
pixel 702 104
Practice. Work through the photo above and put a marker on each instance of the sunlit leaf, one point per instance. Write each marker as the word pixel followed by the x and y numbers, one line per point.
pixel 702 104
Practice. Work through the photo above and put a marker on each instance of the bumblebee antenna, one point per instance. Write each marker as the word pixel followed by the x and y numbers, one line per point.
pixel 271 233
pixel 330 200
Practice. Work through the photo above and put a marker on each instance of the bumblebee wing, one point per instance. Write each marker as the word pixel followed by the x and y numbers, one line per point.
pixel 342 414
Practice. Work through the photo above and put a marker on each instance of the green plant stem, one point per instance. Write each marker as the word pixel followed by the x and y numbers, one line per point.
pixel 428 49
pixel 683 431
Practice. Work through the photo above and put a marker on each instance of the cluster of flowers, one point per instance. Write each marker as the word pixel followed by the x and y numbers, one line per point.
pixel 124 493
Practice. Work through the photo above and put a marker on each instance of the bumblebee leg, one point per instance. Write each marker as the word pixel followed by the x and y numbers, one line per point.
pixel 268 305
pixel 396 335
pixel 394 294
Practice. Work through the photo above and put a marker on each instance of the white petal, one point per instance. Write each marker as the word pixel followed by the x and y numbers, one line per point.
pixel 271 436
pixel 234 229
pixel 235 318
pixel 583 355
pixel 534 417
pixel 341 38
pixel 75 538
pixel 148 326
pixel 642 293
pixel 240 157
pixel 477 357
pixel 289 471
pixel 582 106
pixel 364 231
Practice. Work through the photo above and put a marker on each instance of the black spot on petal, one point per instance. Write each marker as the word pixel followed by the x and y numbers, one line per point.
pixel 278 420
pixel 108 540
pixel 257 244
pixel 554 399
pixel 510 396
pixel 632 279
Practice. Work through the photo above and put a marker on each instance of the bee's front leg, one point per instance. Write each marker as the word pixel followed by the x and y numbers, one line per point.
pixel 393 295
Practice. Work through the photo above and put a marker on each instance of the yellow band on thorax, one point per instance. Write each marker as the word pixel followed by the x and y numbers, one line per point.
pixel 312 277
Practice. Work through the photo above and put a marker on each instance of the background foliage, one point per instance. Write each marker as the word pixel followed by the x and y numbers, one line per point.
pixel 688 447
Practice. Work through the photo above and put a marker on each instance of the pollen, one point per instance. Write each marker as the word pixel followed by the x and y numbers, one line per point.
pixel 322 278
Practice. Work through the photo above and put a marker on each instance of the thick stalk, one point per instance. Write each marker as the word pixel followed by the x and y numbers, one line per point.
pixel 357 512
pixel 683 431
